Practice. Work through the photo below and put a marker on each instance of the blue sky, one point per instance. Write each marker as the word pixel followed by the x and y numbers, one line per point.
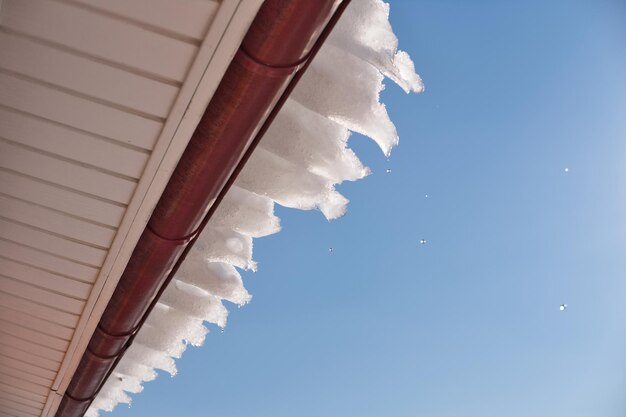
pixel 468 324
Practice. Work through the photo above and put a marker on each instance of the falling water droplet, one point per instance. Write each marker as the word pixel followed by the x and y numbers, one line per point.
pixel 388 170
pixel 330 249
pixel 422 241
pixel 563 307
pixel 426 196
pixel 566 169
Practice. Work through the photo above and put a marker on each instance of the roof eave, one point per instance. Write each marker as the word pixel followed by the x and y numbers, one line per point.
pixel 279 45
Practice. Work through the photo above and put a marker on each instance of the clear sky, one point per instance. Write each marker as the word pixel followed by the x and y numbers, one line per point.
pixel 467 325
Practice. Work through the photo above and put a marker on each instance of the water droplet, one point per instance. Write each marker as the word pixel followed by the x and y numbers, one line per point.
pixel 330 249
pixel 563 307
pixel 566 169
pixel 426 196
pixel 388 170
pixel 422 241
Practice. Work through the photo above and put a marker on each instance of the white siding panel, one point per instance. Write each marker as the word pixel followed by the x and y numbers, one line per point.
pixel 69 109
pixel 37 310
pixel 21 409
pixel 71 144
pixel 51 244
pixel 47 262
pixel 33 336
pixel 48 195
pixel 41 296
pixel 42 326
pixel 189 18
pixel 21 393
pixel 16 158
pixel 44 279
pixel 24 401
pixel 19 372
pixel 42 376
pixel 100 36
pixel 27 357
pixel 33 348
pixel 55 222
pixel 86 76
pixel 15 413
pixel 24 385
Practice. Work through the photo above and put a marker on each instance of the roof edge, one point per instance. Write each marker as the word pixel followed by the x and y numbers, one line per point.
pixel 253 89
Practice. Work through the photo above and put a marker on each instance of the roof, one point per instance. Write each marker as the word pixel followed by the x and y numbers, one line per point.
pixel 98 102
pixel 297 164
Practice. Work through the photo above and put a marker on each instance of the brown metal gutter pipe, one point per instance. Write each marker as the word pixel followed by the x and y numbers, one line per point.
pixel 280 41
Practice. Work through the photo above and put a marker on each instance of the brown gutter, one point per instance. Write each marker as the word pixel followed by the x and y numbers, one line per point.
pixel 279 45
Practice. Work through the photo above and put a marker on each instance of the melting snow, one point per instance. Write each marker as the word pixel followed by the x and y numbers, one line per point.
pixel 300 160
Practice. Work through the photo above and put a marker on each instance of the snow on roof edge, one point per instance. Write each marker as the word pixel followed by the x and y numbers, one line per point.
pixel 300 160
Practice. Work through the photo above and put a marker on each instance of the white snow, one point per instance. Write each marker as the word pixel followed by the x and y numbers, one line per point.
pixel 298 163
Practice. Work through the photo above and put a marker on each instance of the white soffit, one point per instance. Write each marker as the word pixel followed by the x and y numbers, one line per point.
pixel 97 102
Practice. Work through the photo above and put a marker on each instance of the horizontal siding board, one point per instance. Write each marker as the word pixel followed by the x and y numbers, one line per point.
pixel 28 410
pixel 189 18
pixel 10 405
pixel 24 333
pixel 21 393
pixel 86 76
pixel 16 158
pixel 28 357
pixel 41 296
pixel 28 322
pixel 20 400
pixel 72 110
pixel 55 222
pixel 21 370
pixel 44 279
pixel 18 410
pixel 47 262
pixel 101 36
pixel 52 244
pixel 14 413
pixel 36 310
pixel 50 196
pixel 29 347
pixel 71 144
pixel 21 356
